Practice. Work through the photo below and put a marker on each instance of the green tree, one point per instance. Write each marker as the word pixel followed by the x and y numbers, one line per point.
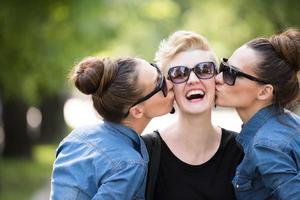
pixel 40 40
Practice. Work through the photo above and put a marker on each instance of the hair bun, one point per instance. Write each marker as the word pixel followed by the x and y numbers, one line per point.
pixel 93 75
pixel 287 44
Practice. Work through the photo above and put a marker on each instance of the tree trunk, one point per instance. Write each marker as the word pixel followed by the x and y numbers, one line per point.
pixel 53 125
pixel 17 142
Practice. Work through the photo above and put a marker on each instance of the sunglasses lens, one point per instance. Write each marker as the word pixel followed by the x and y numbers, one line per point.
pixel 178 74
pixel 164 87
pixel 205 70
pixel 228 77
pixel 229 74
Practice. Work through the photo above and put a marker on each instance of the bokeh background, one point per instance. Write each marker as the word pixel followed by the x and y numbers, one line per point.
pixel 41 40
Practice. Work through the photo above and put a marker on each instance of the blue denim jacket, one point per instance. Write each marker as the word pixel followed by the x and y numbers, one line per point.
pixel 107 161
pixel 271 166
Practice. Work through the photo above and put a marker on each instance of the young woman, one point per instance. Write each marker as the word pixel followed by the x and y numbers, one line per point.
pixel 109 160
pixel 260 80
pixel 197 160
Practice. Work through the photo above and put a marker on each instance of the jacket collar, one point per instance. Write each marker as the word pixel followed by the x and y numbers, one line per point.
pixel 128 135
pixel 249 129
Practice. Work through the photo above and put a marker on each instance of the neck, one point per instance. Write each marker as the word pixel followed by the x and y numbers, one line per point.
pixel 138 125
pixel 193 138
pixel 195 129
pixel 247 113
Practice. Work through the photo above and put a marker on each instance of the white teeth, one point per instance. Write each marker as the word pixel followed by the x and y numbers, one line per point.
pixel 195 92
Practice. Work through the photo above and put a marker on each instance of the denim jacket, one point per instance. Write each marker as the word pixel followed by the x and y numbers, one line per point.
pixel 107 161
pixel 271 166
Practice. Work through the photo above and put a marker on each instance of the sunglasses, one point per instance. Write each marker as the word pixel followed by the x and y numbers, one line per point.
pixel 181 74
pixel 161 86
pixel 230 73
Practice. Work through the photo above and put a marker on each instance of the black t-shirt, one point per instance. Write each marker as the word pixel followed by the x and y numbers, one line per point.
pixel 208 181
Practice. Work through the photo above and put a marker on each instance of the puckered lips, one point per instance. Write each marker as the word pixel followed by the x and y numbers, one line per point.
pixel 195 94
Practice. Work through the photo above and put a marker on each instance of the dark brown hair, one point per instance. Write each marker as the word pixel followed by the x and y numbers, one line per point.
pixel 112 84
pixel 279 65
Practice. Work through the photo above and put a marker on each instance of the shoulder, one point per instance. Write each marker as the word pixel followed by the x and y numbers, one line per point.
pixel 79 147
pixel 229 143
pixel 78 138
pixel 74 155
pixel 150 138
pixel 228 137
pixel 279 132
pixel 100 145
pixel 81 139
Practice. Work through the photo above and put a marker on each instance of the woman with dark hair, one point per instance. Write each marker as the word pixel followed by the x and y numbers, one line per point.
pixel 260 80
pixel 109 160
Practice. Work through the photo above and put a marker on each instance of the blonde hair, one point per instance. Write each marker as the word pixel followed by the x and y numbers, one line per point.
pixel 178 42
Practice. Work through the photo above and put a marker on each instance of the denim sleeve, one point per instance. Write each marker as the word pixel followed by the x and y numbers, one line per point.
pixel 124 184
pixel 73 172
pixel 279 172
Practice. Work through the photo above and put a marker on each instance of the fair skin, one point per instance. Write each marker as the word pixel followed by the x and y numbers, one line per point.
pixel 246 96
pixel 192 137
pixel 141 114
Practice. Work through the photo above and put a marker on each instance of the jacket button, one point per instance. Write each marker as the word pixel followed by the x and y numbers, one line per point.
pixel 237 186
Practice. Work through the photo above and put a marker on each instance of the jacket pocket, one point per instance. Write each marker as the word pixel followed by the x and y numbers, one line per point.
pixel 242 183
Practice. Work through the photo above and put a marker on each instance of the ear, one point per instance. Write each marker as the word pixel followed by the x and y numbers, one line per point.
pixel 266 92
pixel 136 111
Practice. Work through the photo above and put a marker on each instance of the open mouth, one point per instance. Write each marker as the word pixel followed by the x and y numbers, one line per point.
pixel 195 94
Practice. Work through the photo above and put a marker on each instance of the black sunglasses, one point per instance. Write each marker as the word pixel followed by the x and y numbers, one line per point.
pixel 230 73
pixel 161 86
pixel 203 70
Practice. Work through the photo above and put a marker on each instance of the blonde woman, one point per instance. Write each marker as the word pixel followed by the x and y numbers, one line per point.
pixel 197 159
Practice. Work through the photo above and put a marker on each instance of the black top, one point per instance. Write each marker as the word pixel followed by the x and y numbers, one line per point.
pixel 210 180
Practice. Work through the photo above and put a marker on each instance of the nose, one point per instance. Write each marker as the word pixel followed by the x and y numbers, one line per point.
pixel 193 78
pixel 219 79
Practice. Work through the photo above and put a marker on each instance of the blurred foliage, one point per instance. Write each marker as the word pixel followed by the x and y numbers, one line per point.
pixel 40 40
pixel 19 178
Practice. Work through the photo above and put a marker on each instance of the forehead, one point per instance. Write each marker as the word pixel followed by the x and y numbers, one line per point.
pixel 244 58
pixel 191 58
pixel 147 73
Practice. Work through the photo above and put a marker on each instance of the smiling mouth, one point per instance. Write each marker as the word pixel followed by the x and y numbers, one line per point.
pixel 195 94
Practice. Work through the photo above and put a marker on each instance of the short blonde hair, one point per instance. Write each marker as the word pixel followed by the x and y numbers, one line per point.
pixel 178 42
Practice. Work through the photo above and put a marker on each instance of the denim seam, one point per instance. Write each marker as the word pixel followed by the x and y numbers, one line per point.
pixel 78 191
pixel 281 147
pixel 95 148
pixel 280 186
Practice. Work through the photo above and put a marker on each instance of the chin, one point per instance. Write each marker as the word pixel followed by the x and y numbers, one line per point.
pixel 223 104
pixel 198 111
pixel 219 102
pixel 166 111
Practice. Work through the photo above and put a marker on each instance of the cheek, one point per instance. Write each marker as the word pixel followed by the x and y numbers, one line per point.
pixel 211 87
pixel 238 96
pixel 177 88
pixel 178 92
pixel 160 104
pixel 246 96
